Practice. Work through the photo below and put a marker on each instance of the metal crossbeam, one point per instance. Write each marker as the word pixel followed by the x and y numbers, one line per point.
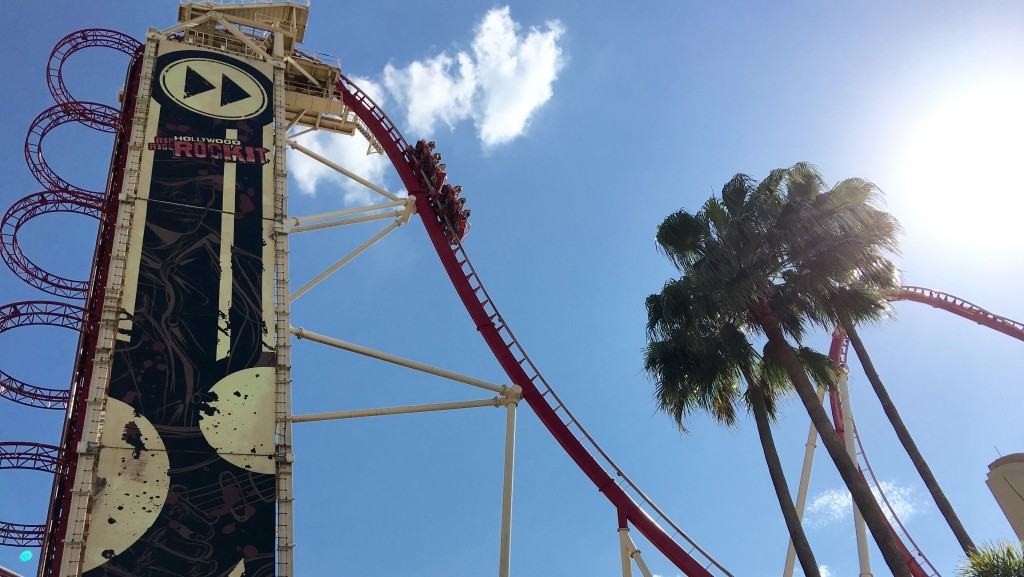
pixel 406 410
pixel 337 167
pixel 396 360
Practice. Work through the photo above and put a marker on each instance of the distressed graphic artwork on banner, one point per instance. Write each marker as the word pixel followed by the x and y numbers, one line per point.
pixel 185 477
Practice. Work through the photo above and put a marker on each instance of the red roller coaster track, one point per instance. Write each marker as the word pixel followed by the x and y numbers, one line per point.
pixel 626 497
pixel 919 563
pixel 100 119
pixel 28 208
pixel 61 196
pixel 30 457
pixel 556 417
pixel 46 313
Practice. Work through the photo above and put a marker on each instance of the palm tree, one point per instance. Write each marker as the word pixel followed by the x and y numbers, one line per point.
pixel 909 445
pixel 777 257
pixel 994 561
pixel 698 358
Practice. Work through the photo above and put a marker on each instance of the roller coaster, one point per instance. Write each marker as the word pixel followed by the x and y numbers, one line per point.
pixel 424 179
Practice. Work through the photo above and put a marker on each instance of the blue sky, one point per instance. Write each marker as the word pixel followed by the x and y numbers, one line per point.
pixel 652 107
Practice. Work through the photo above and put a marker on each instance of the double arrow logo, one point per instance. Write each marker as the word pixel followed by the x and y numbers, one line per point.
pixel 214 88
pixel 230 91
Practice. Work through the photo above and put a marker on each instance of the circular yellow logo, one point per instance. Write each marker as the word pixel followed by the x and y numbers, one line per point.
pixel 213 88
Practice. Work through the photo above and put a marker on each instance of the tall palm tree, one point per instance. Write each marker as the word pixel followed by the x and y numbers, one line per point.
pixel 698 358
pixel 909 445
pixel 775 258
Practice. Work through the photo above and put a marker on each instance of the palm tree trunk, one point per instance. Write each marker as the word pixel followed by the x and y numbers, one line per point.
pixel 771 457
pixel 848 470
pixel 908 443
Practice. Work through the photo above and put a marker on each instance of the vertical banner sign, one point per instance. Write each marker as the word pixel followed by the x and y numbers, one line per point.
pixel 185 475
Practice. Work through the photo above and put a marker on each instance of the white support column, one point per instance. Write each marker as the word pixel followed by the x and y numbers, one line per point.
pixel 634 553
pixel 624 552
pixel 863 553
pixel 284 457
pixel 382 356
pixel 359 413
pixel 801 493
pixel 505 551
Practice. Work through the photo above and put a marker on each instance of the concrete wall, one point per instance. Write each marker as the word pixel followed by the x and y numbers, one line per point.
pixel 1006 481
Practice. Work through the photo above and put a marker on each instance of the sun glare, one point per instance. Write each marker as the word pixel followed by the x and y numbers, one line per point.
pixel 964 185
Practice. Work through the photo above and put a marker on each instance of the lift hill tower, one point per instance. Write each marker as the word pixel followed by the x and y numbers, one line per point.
pixel 177 445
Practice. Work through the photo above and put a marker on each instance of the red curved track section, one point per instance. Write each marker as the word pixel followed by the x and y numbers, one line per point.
pixel 49 119
pixel 28 208
pixel 962 308
pixel 30 457
pixel 920 565
pixel 65 47
pixel 629 501
pixel 28 313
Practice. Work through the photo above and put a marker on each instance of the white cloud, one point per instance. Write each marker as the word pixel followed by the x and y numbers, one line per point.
pixel 431 91
pixel 824 571
pixel 836 505
pixel 499 84
pixel 350 152
pixel 505 78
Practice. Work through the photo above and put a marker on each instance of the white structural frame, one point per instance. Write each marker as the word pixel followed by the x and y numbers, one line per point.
pixel 628 554
pixel 860 529
pixel 801 493
pixel 401 209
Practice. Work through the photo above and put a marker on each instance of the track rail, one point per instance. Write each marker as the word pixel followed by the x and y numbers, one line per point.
pixel 627 498
pixel 29 457
pixel 65 47
pixel 920 565
pixel 45 313
pixel 962 308
pixel 28 208
pixel 49 119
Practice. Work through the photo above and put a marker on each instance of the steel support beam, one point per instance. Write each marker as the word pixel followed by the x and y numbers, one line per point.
pixel 629 551
pixel 311 218
pixel 301 333
pixel 348 258
pixel 505 550
pixel 863 553
pixel 801 493
pixel 337 167
pixel 359 413
pixel 347 221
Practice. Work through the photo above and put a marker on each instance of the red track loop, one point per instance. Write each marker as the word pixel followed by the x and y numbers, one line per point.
pixel 25 210
pixel 42 125
pixel 628 500
pixel 88 38
pixel 919 563
pixel 28 313
pixel 32 457
pixel 21 535
pixel 29 456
